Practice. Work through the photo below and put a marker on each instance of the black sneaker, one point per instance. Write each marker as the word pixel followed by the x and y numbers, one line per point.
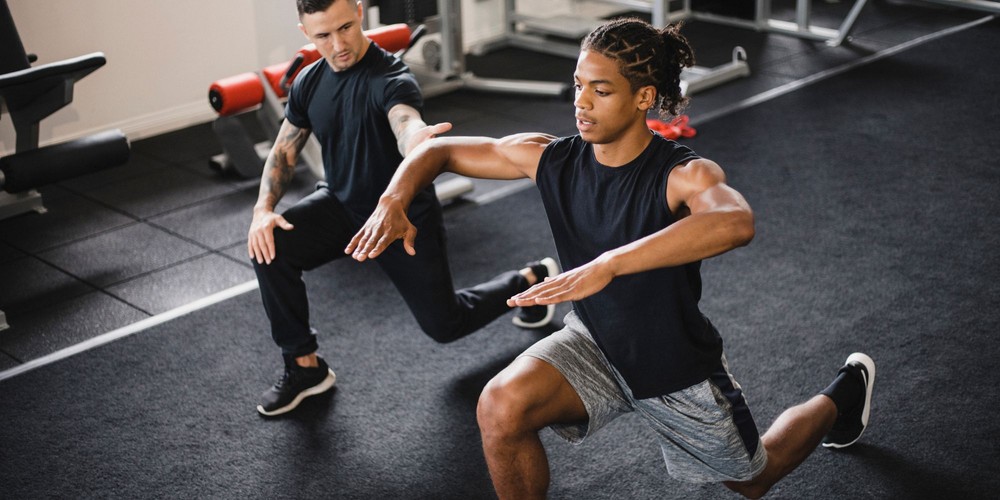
pixel 538 316
pixel 296 384
pixel 851 424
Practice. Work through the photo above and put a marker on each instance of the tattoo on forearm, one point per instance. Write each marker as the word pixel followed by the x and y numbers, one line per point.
pixel 280 166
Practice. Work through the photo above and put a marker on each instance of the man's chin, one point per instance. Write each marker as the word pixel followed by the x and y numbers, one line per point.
pixel 593 138
pixel 340 64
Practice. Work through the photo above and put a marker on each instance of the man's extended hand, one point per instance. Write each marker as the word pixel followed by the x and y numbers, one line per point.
pixel 424 133
pixel 260 239
pixel 387 224
pixel 574 284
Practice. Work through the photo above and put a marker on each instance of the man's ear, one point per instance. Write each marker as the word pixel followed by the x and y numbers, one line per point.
pixel 646 97
pixel 303 30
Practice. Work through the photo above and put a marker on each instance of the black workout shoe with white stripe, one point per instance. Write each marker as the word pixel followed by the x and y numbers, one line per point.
pixel 295 384
pixel 851 424
pixel 538 316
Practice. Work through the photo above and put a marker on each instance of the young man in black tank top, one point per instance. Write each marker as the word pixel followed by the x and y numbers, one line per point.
pixel 636 340
pixel 362 104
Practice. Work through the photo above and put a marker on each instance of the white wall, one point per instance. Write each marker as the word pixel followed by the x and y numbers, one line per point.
pixel 163 54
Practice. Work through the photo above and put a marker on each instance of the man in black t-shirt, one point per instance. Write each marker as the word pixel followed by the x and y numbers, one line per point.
pixel 632 215
pixel 362 103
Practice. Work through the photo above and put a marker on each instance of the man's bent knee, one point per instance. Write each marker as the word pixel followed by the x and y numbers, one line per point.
pixel 749 489
pixel 502 410
pixel 527 396
pixel 756 487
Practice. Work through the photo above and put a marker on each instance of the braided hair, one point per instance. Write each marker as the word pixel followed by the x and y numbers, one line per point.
pixel 646 56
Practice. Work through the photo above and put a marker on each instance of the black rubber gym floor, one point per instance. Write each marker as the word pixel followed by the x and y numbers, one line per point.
pixel 875 193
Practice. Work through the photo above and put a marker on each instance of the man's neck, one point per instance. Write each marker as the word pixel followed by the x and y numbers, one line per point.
pixel 625 148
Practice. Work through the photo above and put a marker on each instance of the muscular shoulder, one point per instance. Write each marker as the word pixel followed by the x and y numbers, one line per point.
pixel 528 139
pixel 690 178
pixel 698 171
pixel 525 148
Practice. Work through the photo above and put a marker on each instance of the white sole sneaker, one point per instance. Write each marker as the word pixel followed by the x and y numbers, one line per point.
pixel 869 375
pixel 550 310
pixel 325 385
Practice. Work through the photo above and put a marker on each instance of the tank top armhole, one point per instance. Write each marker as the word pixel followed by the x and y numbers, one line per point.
pixel 684 158
pixel 544 159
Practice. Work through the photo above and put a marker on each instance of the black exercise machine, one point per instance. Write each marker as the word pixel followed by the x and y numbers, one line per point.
pixel 28 95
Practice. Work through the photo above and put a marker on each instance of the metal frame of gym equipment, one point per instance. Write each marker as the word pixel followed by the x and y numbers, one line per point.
pixel 802 27
pixel 693 79
pixel 236 145
pixel 452 73
pixel 983 5
pixel 662 14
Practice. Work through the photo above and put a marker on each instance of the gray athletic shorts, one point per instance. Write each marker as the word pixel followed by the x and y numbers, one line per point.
pixel 706 432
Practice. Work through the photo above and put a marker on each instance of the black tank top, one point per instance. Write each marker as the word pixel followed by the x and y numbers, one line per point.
pixel 647 324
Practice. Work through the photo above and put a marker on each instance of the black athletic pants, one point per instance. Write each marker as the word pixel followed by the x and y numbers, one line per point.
pixel 323 228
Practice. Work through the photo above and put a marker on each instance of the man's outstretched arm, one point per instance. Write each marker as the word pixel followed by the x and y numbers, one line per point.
pixel 720 220
pixel 512 157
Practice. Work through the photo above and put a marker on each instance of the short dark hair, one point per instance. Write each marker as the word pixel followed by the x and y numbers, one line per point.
pixel 646 56
pixel 312 6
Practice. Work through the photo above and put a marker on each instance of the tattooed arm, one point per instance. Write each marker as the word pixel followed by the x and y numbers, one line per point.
pixel 410 129
pixel 278 171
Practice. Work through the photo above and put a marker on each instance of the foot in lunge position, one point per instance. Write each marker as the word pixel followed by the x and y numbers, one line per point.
pixel 538 316
pixel 852 423
pixel 296 383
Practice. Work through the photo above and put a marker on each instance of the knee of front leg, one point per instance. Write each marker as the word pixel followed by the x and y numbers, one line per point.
pixel 501 410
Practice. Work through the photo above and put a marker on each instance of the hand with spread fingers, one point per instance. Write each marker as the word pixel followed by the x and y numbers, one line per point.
pixel 571 285
pixel 260 241
pixel 387 224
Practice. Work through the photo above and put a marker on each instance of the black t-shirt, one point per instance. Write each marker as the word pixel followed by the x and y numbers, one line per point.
pixel 647 324
pixel 347 112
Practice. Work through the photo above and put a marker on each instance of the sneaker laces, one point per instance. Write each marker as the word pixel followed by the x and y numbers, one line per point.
pixel 285 379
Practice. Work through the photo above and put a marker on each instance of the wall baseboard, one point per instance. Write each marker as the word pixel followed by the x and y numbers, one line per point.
pixel 143 126
pixel 160 122
pixel 164 121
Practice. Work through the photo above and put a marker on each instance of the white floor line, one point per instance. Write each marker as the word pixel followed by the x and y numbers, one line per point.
pixel 484 199
pixel 823 75
pixel 130 329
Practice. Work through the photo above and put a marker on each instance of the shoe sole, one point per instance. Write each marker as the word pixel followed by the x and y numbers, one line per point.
pixel 869 365
pixel 550 310
pixel 325 385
